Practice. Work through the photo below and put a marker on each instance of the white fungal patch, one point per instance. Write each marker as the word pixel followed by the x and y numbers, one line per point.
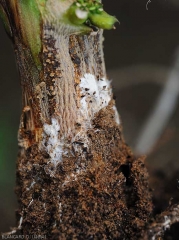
pixel 52 142
pixel 95 95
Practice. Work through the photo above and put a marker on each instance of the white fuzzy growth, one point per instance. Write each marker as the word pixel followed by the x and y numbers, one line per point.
pixel 52 142
pixel 95 95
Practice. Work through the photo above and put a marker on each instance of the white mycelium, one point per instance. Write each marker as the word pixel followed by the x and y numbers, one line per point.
pixel 95 95
pixel 52 142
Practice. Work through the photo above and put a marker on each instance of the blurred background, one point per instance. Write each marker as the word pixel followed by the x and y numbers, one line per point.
pixel 142 59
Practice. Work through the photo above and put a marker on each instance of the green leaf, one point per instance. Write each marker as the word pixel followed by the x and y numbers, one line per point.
pixel 103 20
pixel 30 21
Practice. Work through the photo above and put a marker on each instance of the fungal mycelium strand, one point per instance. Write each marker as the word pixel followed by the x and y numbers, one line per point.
pixel 96 95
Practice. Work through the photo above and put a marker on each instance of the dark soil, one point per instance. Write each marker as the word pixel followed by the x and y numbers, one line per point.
pixel 111 199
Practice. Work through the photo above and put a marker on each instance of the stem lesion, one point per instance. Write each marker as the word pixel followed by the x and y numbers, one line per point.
pixel 70 138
